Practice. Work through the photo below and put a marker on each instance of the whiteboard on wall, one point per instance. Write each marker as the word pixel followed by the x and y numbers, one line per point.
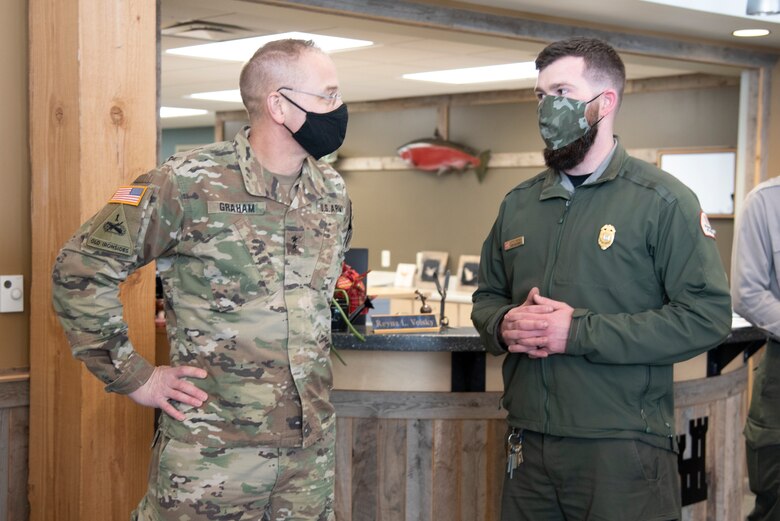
pixel 709 174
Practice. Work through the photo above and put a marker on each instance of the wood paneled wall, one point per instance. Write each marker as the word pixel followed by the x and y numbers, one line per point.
pixel 93 114
pixel 404 456
pixel 723 401
pixel 15 195
pixel 418 456
pixel 14 431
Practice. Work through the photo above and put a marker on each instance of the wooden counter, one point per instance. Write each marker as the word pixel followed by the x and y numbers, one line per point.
pixel 410 455
pixel 455 360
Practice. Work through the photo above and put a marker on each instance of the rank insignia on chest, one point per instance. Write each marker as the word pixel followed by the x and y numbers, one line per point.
pixel 514 243
pixel 606 236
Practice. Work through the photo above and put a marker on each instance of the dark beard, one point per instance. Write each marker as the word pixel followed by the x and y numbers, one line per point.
pixel 566 158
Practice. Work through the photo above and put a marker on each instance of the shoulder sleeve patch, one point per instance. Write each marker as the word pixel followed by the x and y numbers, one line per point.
pixel 130 194
pixel 706 227
pixel 111 233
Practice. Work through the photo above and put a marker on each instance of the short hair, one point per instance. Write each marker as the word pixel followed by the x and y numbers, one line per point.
pixel 602 63
pixel 272 66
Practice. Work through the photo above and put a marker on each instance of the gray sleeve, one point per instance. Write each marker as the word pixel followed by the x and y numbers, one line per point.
pixel 756 252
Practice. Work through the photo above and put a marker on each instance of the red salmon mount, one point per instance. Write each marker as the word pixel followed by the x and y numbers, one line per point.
pixel 440 156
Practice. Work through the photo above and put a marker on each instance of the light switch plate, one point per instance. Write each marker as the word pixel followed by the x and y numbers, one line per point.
pixel 11 293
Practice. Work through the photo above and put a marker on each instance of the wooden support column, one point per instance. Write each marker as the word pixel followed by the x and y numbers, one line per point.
pixel 443 120
pixel 92 127
pixel 748 138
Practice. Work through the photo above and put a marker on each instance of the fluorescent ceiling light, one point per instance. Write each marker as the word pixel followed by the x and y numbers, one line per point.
pixel 490 73
pixel 242 49
pixel 233 96
pixel 177 112
pixel 750 33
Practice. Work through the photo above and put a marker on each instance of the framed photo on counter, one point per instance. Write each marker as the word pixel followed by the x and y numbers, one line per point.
pixel 468 270
pixel 430 264
pixel 404 275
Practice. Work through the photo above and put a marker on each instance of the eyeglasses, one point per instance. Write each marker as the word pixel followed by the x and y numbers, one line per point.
pixel 332 99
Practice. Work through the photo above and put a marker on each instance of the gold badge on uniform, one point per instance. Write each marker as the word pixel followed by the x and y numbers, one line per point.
pixel 606 236
pixel 514 243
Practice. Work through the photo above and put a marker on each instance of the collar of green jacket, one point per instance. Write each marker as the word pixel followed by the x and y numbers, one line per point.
pixel 260 182
pixel 552 187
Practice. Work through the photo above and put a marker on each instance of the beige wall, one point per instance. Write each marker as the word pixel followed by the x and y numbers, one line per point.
pixel 392 208
pixel 409 211
pixel 15 184
pixel 773 142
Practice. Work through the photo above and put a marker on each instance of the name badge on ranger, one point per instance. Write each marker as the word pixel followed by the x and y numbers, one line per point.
pixel 514 243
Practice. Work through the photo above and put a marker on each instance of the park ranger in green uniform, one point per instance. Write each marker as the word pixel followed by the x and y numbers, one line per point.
pixel 249 237
pixel 598 275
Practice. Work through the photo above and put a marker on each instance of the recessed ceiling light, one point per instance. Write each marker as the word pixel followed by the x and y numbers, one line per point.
pixel 490 73
pixel 233 96
pixel 177 112
pixel 750 33
pixel 242 49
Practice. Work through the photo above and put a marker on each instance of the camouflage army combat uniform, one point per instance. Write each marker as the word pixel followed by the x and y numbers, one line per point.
pixel 248 271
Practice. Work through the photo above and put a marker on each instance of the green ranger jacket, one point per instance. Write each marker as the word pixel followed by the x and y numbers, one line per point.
pixel 635 257
pixel 247 270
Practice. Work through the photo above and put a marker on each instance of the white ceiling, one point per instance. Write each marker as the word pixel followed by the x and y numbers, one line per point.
pixel 374 73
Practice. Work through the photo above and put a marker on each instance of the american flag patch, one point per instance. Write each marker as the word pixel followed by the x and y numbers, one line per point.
pixel 128 195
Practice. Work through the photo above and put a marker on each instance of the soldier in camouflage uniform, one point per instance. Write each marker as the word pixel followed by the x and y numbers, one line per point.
pixel 249 236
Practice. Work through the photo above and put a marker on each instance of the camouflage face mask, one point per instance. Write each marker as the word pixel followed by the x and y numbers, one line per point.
pixel 562 120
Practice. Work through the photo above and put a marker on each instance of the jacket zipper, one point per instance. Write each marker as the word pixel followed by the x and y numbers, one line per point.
pixel 642 400
pixel 548 287
pixel 669 433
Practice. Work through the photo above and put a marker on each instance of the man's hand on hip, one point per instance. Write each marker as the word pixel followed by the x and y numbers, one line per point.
pixel 168 383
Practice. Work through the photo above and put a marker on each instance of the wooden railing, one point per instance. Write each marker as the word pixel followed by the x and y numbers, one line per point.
pixel 403 456
pixel 418 456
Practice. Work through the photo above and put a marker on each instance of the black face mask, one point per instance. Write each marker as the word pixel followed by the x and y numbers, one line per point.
pixel 321 134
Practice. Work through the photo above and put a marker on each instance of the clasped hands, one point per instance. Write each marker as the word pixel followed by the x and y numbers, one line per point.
pixel 539 327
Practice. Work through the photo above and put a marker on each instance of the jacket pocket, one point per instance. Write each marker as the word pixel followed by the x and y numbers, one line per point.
pixel 158 446
pixel 312 252
pixel 239 266
pixel 646 459
pixel 327 268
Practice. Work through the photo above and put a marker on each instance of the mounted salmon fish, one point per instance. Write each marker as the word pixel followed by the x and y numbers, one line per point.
pixel 440 156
